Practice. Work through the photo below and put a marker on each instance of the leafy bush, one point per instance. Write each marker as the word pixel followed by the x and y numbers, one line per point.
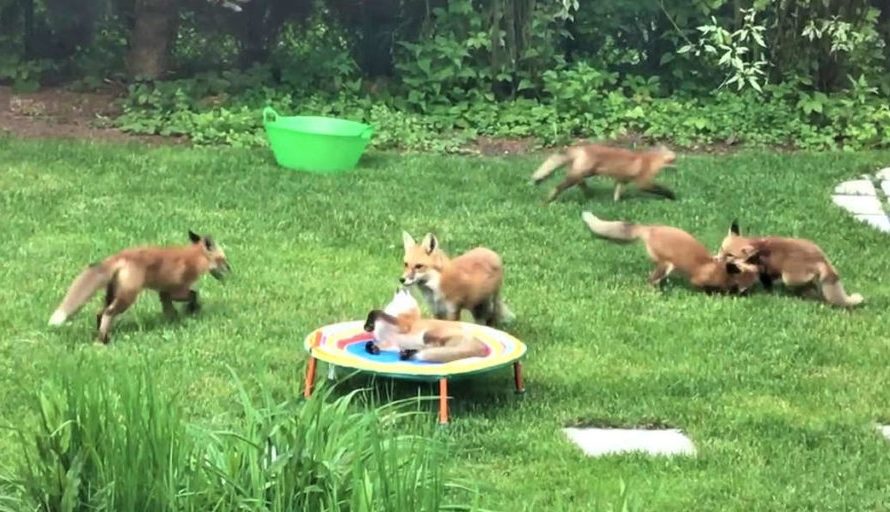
pixel 109 440
pixel 581 102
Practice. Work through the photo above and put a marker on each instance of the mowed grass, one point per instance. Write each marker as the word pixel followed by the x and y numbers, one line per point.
pixel 780 394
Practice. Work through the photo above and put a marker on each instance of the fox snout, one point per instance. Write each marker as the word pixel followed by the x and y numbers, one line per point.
pixel 408 278
pixel 220 270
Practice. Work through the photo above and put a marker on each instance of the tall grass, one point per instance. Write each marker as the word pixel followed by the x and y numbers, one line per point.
pixel 110 441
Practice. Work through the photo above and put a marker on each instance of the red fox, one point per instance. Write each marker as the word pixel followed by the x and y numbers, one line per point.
pixel 799 263
pixel 622 165
pixel 673 249
pixel 399 327
pixel 170 271
pixel 470 281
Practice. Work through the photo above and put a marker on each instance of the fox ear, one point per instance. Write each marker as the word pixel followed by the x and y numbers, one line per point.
pixel 407 241
pixel 429 243
pixel 194 237
pixel 734 227
pixel 209 244
pixel 732 268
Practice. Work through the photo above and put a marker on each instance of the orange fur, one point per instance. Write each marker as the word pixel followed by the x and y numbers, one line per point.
pixel 622 165
pixel 171 271
pixel 470 281
pixel 401 327
pixel 799 263
pixel 675 250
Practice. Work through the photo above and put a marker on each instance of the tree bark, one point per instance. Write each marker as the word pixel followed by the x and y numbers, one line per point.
pixel 153 32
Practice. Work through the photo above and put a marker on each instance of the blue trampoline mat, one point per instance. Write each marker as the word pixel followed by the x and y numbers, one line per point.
pixel 358 349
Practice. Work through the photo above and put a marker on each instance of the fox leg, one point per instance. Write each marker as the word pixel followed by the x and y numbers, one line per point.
pixel 564 185
pixel 167 305
pixel 766 280
pixel 662 270
pixel 484 312
pixel 580 170
pixel 190 297
pixel 109 298
pixel 192 305
pixel 802 283
pixel 123 299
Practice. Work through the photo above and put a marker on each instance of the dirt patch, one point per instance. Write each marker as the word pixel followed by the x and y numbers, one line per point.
pixel 643 423
pixel 490 146
pixel 59 113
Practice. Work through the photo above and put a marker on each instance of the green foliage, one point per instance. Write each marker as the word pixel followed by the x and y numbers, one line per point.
pixel 110 440
pixel 581 102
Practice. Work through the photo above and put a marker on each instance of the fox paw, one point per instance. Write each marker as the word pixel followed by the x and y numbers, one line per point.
pixel 372 348
pixel 406 354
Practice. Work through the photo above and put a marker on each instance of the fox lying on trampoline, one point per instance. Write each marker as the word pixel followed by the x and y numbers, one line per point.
pixel 399 327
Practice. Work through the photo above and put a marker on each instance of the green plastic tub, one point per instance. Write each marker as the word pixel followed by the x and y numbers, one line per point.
pixel 315 144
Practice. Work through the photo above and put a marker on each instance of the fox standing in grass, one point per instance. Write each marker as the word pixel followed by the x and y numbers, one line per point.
pixel 672 249
pixel 470 281
pixel 622 165
pixel 399 327
pixel 171 271
pixel 799 263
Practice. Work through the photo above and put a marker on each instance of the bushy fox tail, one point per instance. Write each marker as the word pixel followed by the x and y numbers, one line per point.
pixel 554 162
pixel 833 289
pixel 82 289
pixel 469 348
pixel 615 230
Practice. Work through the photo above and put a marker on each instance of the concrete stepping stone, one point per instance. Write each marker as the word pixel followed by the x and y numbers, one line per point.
pixel 864 201
pixel 597 442
pixel 863 187
pixel 868 205
pixel 880 222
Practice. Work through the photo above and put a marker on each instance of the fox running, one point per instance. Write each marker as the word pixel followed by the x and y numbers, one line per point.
pixel 622 165
pixel 171 271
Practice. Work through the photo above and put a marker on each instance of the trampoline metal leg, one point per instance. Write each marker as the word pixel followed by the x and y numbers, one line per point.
pixel 517 377
pixel 310 377
pixel 443 401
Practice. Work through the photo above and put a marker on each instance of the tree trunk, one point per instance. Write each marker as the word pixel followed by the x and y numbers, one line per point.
pixel 153 31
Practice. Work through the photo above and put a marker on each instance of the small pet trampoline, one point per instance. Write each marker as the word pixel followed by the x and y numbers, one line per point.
pixel 343 345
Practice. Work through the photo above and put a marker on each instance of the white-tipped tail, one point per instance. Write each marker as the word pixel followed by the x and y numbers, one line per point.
pixel 615 230
pixel 58 318
pixel 835 294
pixel 589 218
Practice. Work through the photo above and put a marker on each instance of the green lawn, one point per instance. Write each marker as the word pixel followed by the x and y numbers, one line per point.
pixel 779 394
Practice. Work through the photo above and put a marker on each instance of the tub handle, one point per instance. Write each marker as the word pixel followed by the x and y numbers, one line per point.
pixel 269 115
